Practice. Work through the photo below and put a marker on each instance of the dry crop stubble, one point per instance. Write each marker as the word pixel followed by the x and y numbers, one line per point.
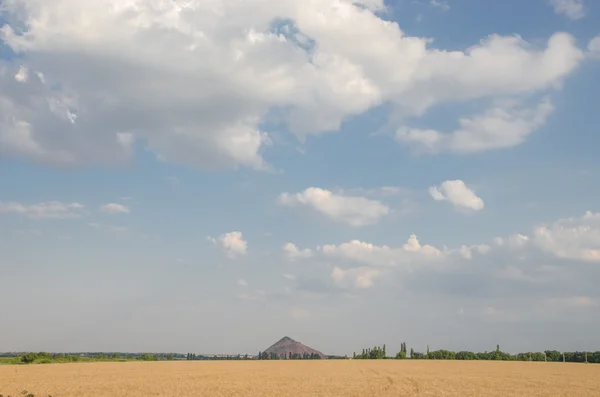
pixel 304 378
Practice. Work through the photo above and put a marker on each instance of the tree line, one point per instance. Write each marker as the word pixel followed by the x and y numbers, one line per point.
pixel 379 353
pixel 193 356
pixel 288 356
pixel 47 358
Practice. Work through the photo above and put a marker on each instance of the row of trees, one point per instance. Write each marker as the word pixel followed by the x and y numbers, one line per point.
pixel 288 356
pixel 47 358
pixel 193 356
pixel 549 355
pixel 376 353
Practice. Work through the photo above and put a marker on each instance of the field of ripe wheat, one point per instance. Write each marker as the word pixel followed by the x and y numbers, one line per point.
pixel 303 378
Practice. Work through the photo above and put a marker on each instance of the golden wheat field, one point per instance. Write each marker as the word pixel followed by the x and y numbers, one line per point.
pixel 303 378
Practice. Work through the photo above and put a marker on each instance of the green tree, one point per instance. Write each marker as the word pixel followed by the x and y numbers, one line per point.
pixel 28 358
pixel 553 355
pixel 465 355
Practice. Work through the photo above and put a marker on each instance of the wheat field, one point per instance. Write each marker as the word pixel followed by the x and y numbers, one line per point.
pixel 303 378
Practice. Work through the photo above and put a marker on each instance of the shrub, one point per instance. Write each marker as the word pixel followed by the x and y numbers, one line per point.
pixel 28 358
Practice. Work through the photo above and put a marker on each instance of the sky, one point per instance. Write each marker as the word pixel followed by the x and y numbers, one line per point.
pixel 211 175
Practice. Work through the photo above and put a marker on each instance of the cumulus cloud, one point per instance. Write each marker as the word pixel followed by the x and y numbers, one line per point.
pixel 361 277
pixel 594 47
pixel 351 210
pixel 114 208
pixel 503 125
pixel 291 251
pixel 574 238
pixel 21 75
pixel 45 210
pixel 533 265
pixel 358 251
pixel 193 80
pixel 515 241
pixel 571 238
pixel 232 244
pixel 572 9
pixel 467 251
pixel 458 194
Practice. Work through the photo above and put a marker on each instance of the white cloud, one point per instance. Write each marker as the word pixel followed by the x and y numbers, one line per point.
pixel 114 208
pixel 361 277
pixel 232 244
pixel 291 251
pixel 45 210
pixel 575 238
pixel 362 252
pixel 458 194
pixel 289 276
pixel 518 240
pixel 572 9
pixel 467 251
pixel 441 4
pixel 503 125
pixel 516 262
pixel 351 210
pixel 193 80
pixel 21 75
pixel 242 283
pixel 571 238
pixel 594 47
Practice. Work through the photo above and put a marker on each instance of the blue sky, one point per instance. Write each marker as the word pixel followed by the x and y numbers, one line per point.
pixel 187 178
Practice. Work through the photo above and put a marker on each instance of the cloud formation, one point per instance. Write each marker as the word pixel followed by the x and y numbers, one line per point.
pixel 354 211
pixel 458 194
pixel 358 251
pixel 232 244
pixel 572 9
pixel 576 238
pixel 506 124
pixel 360 277
pixel 291 251
pixel 45 210
pixel 115 208
pixel 193 80
pixel 594 47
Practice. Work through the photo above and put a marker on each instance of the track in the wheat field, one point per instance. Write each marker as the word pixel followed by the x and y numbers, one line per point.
pixel 303 378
